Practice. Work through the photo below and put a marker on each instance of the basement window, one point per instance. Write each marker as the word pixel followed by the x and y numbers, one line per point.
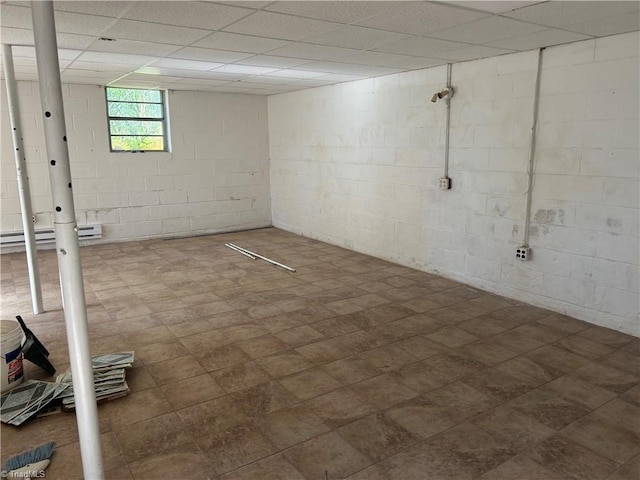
pixel 137 120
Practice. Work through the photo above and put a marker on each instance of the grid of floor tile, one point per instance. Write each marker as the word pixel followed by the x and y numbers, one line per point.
pixel 351 366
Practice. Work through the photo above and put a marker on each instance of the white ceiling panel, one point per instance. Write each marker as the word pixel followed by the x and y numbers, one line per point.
pixel 340 12
pixel 559 14
pixel 134 47
pixel 474 52
pixel 275 25
pixel 239 43
pixel 292 73
pixel 360 38
pixel 312 52
pixel 178 63
pixel 150 32
pixel 421 47
pixel 272 61
pixel 487 30
pixel 540 39
pixel 420 18
pixel 493 6
pixel 297 43
pixel 629 22
pixel 246 69
pixel 106 8
pixel 391 60
pixel 115 58
pixel 208 55
pixel 208 16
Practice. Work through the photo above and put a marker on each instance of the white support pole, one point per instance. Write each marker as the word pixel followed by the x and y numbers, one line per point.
pixel 67 246
pixel 23 180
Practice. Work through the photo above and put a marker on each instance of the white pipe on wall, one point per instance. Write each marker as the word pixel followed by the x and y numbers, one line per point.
pixel 23 180
pixel 67 245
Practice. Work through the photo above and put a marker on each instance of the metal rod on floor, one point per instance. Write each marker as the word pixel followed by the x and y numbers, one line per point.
pixel 23 180
pixel 240 251
pixel 273 262
pixel 67 245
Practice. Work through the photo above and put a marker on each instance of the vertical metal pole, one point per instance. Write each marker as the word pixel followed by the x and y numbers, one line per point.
pixel 23 180
pixel 448 124
pixel 67 246
pixel 532 150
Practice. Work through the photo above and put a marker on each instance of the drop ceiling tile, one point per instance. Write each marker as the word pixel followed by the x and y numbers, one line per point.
pixel 341 12
pixel 101 67
pixel 559 14
pixel 312 52
pixel 246 69
pixel 312 82
pixel 208 16
pixel 73 41
pixel 16 36
pixel 628 22
pixel 341 77
pixel 152 32
pixel 208 55
pixel 239 43
pixel 269 80
pixel 177 63
pixel 297 73
pixel 391 60
pixel 275 25
pixel 134 47
pixel 63 54
pixel 494 6
pixel 346 68
pixel 420 18
pixel 115 58
pixel 360 38
pixel 151 78
pixel 272 61
pixel 474 52
pixel 16 17
pixel 540 39
pixel 105 8
pixel 487 30
pixel 202 81
pixel 421 47
pixel 173 72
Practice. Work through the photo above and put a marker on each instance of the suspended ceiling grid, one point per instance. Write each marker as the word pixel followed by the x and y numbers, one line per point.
pixel 262 47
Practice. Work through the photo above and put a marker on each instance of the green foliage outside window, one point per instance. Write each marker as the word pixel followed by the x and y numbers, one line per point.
pixel 136 119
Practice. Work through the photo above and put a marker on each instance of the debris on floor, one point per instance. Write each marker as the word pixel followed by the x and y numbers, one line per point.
pixel 253 255
pixel 26 400
pixel 108 378
pixel 33 396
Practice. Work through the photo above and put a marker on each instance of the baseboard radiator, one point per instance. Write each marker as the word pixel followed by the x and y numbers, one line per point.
pixel 16 239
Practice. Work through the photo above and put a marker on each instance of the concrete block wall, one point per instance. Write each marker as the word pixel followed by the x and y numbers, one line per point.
pixel 357 165
pixel 216 178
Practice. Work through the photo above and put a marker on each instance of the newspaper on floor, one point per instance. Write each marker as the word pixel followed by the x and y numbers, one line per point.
pixel 24 401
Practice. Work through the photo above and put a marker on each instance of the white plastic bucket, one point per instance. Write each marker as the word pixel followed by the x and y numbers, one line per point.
pixel 11 372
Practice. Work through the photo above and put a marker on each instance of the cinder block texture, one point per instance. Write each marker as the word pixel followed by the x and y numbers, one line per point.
pixel 358 164
pixel 219 158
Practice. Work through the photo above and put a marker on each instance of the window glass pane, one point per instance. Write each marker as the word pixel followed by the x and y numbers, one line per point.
pixel 135 127
pixel 142 110
pixel 133 95
pixel 137 143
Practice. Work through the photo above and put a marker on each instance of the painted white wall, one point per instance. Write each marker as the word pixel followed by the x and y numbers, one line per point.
pixel 357 165
pixel 216 177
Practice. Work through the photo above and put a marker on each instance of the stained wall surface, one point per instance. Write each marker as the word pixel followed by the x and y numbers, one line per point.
pixel 357 165
pixel 215 178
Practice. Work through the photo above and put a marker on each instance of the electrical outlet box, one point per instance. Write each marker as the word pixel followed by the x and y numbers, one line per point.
pixel 523 253
pixel 444 183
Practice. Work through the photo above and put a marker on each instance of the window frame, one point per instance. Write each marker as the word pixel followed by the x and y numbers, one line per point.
pixel 164 121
